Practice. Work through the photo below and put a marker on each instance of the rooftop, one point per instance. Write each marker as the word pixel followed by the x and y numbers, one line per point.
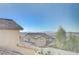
pixel 9 24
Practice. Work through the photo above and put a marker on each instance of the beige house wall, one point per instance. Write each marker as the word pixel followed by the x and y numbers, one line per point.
pixel 8 38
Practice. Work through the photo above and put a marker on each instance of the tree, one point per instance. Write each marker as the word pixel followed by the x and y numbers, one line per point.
pixel 60 38
pixel 72 43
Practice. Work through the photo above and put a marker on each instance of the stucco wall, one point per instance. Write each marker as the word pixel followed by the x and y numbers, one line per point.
pixel 9 38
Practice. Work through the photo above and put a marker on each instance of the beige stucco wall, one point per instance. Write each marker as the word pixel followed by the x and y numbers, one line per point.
pixel 10 39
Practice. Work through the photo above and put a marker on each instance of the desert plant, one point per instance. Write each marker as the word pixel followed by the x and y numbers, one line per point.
pixel 42 52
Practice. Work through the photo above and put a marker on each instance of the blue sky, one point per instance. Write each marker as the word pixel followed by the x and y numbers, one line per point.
pixel 42 17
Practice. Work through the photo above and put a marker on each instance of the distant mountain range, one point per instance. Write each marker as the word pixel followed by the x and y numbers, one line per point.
pixel 50 33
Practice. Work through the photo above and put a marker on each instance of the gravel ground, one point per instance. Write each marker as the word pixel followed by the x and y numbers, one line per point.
pixel 54 51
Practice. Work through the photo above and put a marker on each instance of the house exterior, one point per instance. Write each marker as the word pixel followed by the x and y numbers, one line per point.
pixel 9 36
pixel 9 32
